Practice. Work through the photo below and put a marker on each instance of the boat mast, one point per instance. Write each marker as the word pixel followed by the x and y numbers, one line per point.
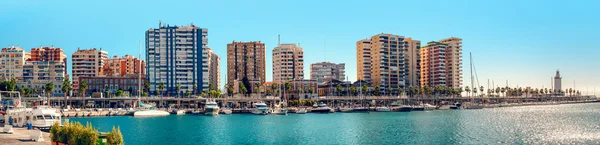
pixel 471 68
pixel 140 75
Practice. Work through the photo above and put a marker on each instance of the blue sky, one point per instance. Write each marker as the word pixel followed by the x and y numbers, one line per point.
pixel 520 41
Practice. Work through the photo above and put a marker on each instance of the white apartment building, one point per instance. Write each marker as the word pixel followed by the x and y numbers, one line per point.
pixel 12 60
pixel 325 71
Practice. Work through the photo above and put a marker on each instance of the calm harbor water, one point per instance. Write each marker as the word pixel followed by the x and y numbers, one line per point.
pixel 552 124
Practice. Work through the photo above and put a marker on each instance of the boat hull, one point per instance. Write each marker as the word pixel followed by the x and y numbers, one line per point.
pixel 320 110
pixel 211 111
pixel 383 109
pixel 151 113
pixel 418 109
pixel 260 111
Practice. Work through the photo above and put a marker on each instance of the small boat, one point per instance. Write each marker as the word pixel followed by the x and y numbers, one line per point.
pixel 226 111
pixel 444 107
pixel 345 109
pixel 383 109
pixel 397 107
pixel 211 108
pixel 456 106
pixel 260 109
pixel 360 109
pixel 429 107
pixel 474 106
pixel 278 110
pixel 180 112
pixel 301 111
pixel 321 108
pixel 196 112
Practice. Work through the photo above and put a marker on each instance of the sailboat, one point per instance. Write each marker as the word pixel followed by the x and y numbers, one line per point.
pixel 146 110
pixel 472 104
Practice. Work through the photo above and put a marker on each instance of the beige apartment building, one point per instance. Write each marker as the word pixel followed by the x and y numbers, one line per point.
pixel 363 56
pixel 210 69
pixel 441 63
pixel 413 62
pixel 288 63
pixel 87 62
pixel 12 60
pixel 245 60
pixel 121 66
pixel 387 61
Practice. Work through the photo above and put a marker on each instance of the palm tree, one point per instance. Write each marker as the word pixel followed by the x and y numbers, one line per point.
pixel 66 87
pixel 177 87
pixel 338 89
pixel 390 90
pixel 194 88
pixel 365 89
pixel 243 89
pixel 287 88
pixel 146 87
pixel 376 90
pixel 258 89
pixel 481 89
pixel 163 89
pixel 468 90
pixel 353 90
pixel 49 87
pixel 459 91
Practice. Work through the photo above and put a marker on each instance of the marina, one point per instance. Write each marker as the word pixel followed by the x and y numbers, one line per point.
pixel 503 125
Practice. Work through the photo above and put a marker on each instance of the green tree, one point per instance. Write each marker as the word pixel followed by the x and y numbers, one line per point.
pixel 376 90
pixel 311 90
pixel 119 93
pixel 194 88
pixel 162 88
pixel 390 90
pixel 178 88
pixel 243 88
pixel 353 90
pixel 115 137
pixel 338 89
pixel 218 94
pixel 468 90
pixel 146 87
pixel 287 87
pixel 364 89
pixel 49 87
pixel 66 87
pixel 82 89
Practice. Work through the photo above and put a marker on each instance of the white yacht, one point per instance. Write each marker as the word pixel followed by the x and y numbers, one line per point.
pixel 260 109
pixel 301 111
pixel 148 110
pixel 44 117
pixel 321 108
pixel 429 107
pixel 211 108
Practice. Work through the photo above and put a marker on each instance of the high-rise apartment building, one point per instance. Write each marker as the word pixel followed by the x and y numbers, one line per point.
pixel 325 71
pixel 363 55
pixel 441 63
pixel 174 57
pixel 210 69
pixel 121 66
pixel 12 60
pixel 88 63
pixel 387 61
pixel 245 60
pixel 288 63
pixel 46 65
pixel 413 62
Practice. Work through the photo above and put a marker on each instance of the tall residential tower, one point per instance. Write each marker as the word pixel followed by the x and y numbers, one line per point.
pixel 174 57
pixel 245 60
pixel 441 63
pixel 288 63
pixel 87 63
